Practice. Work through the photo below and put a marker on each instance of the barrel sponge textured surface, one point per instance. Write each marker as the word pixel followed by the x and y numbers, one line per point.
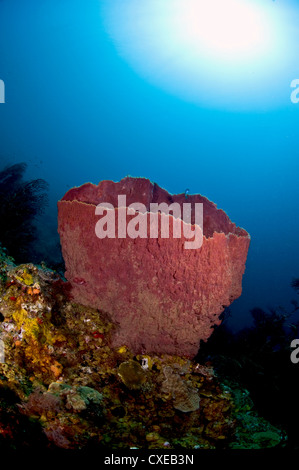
pixel 162 298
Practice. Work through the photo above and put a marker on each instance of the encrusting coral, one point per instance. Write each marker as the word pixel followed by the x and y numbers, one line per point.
pixel 62 380
pixel 185 397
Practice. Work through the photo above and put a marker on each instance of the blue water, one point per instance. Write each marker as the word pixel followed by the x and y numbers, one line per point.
pixel 77 110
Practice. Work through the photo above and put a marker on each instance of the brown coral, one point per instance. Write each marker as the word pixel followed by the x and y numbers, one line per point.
pixel 132 374
pixel 185 397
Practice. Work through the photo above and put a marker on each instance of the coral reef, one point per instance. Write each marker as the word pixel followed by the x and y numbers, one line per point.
pixel 258 358
pixel 163 297
pixel 64 386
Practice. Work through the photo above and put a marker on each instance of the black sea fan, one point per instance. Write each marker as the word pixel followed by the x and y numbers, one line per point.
pixel 20 203
pixel 295 284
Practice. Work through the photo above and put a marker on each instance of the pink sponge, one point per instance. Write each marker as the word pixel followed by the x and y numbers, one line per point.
pixel 162 297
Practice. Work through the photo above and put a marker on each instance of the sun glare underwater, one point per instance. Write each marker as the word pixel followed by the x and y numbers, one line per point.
pixel 220 54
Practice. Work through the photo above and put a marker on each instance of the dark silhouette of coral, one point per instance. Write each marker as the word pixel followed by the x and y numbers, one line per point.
pixel 20 204
pixel 258 359
pixel 295 284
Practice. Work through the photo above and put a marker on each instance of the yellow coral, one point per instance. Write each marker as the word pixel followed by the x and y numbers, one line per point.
pixel 59 338
pixel 38 336
pixel 41 361
pixel 56 368
pixel 30 325
pixel 26 278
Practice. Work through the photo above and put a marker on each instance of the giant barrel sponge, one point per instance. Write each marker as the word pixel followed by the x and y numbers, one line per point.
pixel 161 297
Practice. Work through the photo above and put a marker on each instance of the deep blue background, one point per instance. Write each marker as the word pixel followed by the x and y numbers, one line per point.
pixel 75 111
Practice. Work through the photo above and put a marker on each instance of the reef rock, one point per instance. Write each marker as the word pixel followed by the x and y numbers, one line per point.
pixel 185 397
pixel 162 297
